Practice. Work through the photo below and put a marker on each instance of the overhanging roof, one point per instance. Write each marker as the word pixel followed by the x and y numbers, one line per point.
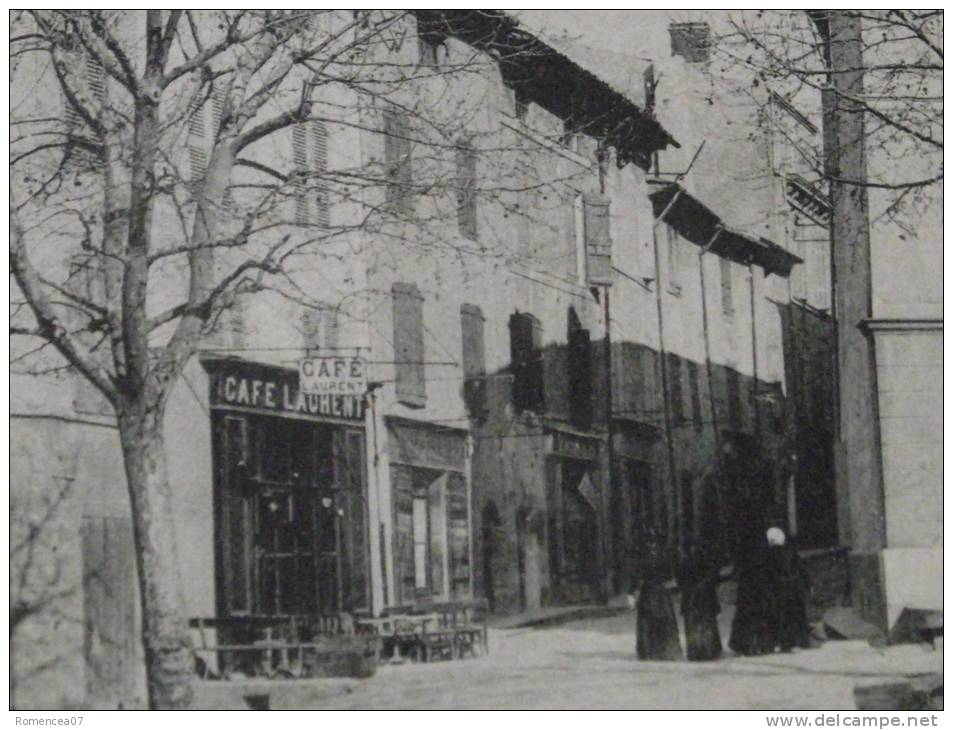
pixel 545 76
pixel 696 222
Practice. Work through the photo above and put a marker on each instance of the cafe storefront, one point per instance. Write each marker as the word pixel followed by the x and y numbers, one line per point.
pixel 290 506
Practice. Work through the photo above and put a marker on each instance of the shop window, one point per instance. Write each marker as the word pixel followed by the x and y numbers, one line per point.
pixel 398 158
pixel 695 390
pixel 526 354
pixel 419 532
pixel 474 360
pixel 675 385
pixel 411 386
pixel 579 373
pixel 466 185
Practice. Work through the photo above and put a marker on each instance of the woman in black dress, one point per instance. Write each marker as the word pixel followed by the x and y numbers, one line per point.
pixel 656 629
pixel 698 578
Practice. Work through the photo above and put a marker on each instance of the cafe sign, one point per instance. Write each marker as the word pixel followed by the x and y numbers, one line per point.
pixel 333 375
pixel 264 388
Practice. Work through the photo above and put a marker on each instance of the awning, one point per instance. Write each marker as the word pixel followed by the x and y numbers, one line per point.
pixel 696 222
pixel 428 445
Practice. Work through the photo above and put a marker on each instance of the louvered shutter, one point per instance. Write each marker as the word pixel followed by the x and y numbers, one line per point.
pixel 399 162
pixel 458 541
pixel 598 240
pixel 299 159
pixel 236 325
pixel 409 345
pixel 311 329
pixel 218 114
pixel 466 191
pixel 319 166
pixel 474 360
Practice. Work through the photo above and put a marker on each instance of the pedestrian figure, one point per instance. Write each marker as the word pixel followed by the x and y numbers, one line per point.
pixel 752 630
pixel 656 628
pixel 790 611
pixel 698 577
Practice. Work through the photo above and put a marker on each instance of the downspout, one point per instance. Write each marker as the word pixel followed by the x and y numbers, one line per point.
pixel 707 338
pixel 664 368
pixel 754 356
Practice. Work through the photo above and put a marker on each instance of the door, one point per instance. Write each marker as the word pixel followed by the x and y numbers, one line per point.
pixel 285 553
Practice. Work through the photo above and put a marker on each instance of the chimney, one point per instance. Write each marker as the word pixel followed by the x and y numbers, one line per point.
pixel 691 41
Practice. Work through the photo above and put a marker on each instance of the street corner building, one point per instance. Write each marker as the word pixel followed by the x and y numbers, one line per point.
pixel 583 339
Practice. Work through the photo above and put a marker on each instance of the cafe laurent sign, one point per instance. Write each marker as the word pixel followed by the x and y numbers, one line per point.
pixel 333 375
pixel 252 386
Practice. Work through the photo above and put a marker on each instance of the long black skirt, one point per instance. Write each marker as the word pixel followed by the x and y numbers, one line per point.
pixel 656 629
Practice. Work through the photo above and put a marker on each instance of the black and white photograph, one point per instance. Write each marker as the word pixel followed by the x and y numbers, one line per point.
pixel 476 360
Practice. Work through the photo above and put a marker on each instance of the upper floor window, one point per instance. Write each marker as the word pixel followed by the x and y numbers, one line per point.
pixel 526 355
pixel 409 373
pixel 309 151
pixel 466 184
pixel 398 158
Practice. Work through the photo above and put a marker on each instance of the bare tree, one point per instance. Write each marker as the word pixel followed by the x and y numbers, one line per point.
pixel 166 164
pixel 900 94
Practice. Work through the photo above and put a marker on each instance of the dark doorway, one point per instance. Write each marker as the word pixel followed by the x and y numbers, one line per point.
pixel 490 542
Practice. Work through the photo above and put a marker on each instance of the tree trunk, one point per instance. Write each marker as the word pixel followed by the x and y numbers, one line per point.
pixel 165 635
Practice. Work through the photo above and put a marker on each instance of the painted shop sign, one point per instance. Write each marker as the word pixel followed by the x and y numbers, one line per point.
pixel 237 384
pixel 333 375
pixel 565 444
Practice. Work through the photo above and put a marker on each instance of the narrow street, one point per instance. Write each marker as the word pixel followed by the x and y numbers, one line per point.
pixel 591 665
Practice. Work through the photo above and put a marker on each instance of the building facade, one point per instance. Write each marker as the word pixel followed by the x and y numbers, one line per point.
pixel 560 350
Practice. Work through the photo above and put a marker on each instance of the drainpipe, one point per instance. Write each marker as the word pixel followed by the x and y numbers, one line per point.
pixel 664 367
pixel 754 356
pixel 707 338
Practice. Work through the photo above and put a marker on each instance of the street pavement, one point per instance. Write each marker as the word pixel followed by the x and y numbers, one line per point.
pixel 591 664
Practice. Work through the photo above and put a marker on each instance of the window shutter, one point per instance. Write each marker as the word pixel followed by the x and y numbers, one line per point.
pixel 399 161
pixel 580 373
pixel 727 303
pixel 236 325
pixel 437 533
pixel 409 345
pixel 458 542
pixel 474 360
pixel 299 159
pixel 598 240
pixel 526 355
pixel 96 79
pixel 466 191
pixel 311 329
pixel 319 165
pixel 402 479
